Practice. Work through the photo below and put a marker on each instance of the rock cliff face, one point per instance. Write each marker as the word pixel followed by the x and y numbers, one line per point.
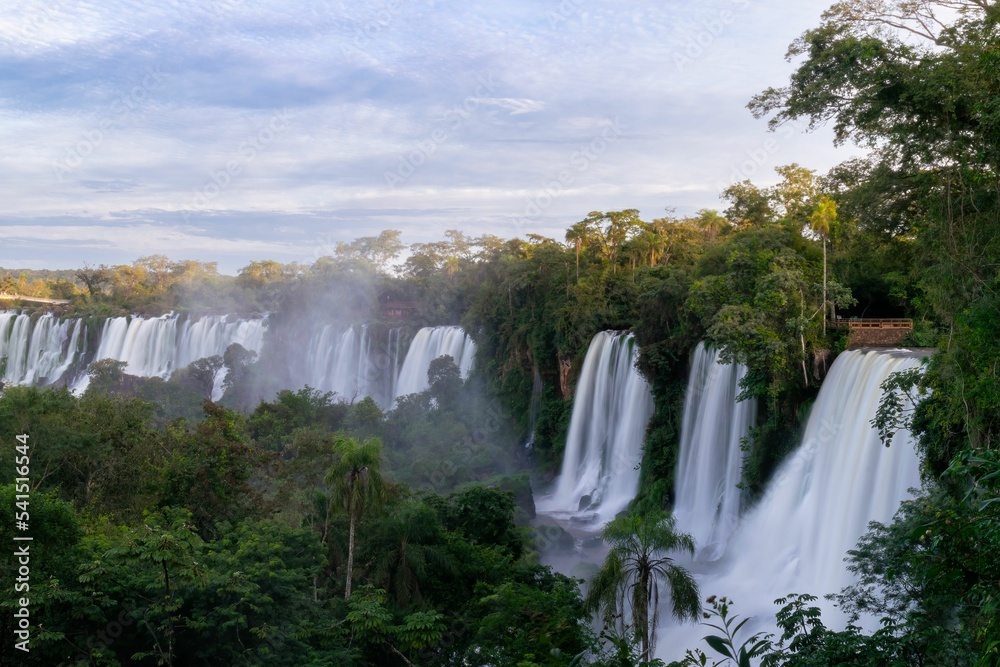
pixel 877 337
pixel 565 377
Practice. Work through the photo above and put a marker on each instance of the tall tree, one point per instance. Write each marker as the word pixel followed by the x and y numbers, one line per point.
pixel 629 580
pixel 357 485
pixel 821 222
pixel 579 234
pixel 710 222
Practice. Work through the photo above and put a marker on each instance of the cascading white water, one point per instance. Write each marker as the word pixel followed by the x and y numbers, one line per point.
pixel 819 502
pixel 43 350
pixel 37 350
pixel 534 408
pixel 157 346
pixel 429 344
pixel 350 363
pixel 611 409
pixel 709 469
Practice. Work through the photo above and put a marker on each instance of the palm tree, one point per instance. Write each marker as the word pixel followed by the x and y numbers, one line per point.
pixel 822 219
pixel 357 484
pixel 629 580
pixel 579 235
pixel 710 222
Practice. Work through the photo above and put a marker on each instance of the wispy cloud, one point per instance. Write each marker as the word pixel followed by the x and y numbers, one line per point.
pixel 101 156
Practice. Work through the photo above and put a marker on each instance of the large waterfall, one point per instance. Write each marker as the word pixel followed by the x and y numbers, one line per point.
pixel 354 363
pixel 820 501
pixel 611 408
pixel 39 350
pixel 349 360
pixel 709 470
pixel 429 344
pixel 50 350
pixel 158 346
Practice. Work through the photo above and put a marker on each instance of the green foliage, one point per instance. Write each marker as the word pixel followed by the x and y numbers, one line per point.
pixel 725 644
pixel 628 583
pixel 538 622
pixel 208 470
pixel 273 423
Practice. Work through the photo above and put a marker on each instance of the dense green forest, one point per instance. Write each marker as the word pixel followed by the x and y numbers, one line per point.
pixel 285 526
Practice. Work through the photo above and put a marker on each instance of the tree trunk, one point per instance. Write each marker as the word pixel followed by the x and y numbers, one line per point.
pixel 640 613
pixel 802 335
pixel 805 374
pixel 350 558
pixel 578 261
pixel 170 618
pixel 824 285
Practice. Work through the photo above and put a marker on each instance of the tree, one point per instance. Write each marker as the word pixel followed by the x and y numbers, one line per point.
pixel 107 376
pixel 579 235
pixel 357 485
pixel 406 546
pixel 239 363
pixel 749 206
pixel 629 580
pixel 795 193
pixel 202 374
pixel 377 251
pixel 94 279
pixel 821 221
pixel 710 222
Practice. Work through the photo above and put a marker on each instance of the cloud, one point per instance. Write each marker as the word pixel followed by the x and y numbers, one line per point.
pixel 103 156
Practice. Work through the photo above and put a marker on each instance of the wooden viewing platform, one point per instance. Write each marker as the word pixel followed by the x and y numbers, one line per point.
pixel 874 331
pixel 34 299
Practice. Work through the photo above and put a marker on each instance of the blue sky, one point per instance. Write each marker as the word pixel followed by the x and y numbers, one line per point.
pixel 251 129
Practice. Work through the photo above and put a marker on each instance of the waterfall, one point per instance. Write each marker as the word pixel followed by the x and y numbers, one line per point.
pixel 46 350
pixel 352 363
pixel 158 346
pixel 611 409
pixel 37 350
pixel 708 472
pixel 535 407
pixel 429 344
pixel 820 501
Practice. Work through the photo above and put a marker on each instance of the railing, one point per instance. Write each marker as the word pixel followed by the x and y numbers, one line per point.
pixel 34 299
pixel 872 323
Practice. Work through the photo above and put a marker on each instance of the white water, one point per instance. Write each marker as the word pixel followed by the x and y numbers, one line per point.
pixel 429 344
pixel 158 346
pixel 611 409
pixel 351 363
pixel 708 502
pixel 534 408
pixel 38 351
pixel 46 350
pixel 819 502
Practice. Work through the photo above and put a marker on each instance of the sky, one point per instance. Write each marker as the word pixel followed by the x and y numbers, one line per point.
pixel 240 130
